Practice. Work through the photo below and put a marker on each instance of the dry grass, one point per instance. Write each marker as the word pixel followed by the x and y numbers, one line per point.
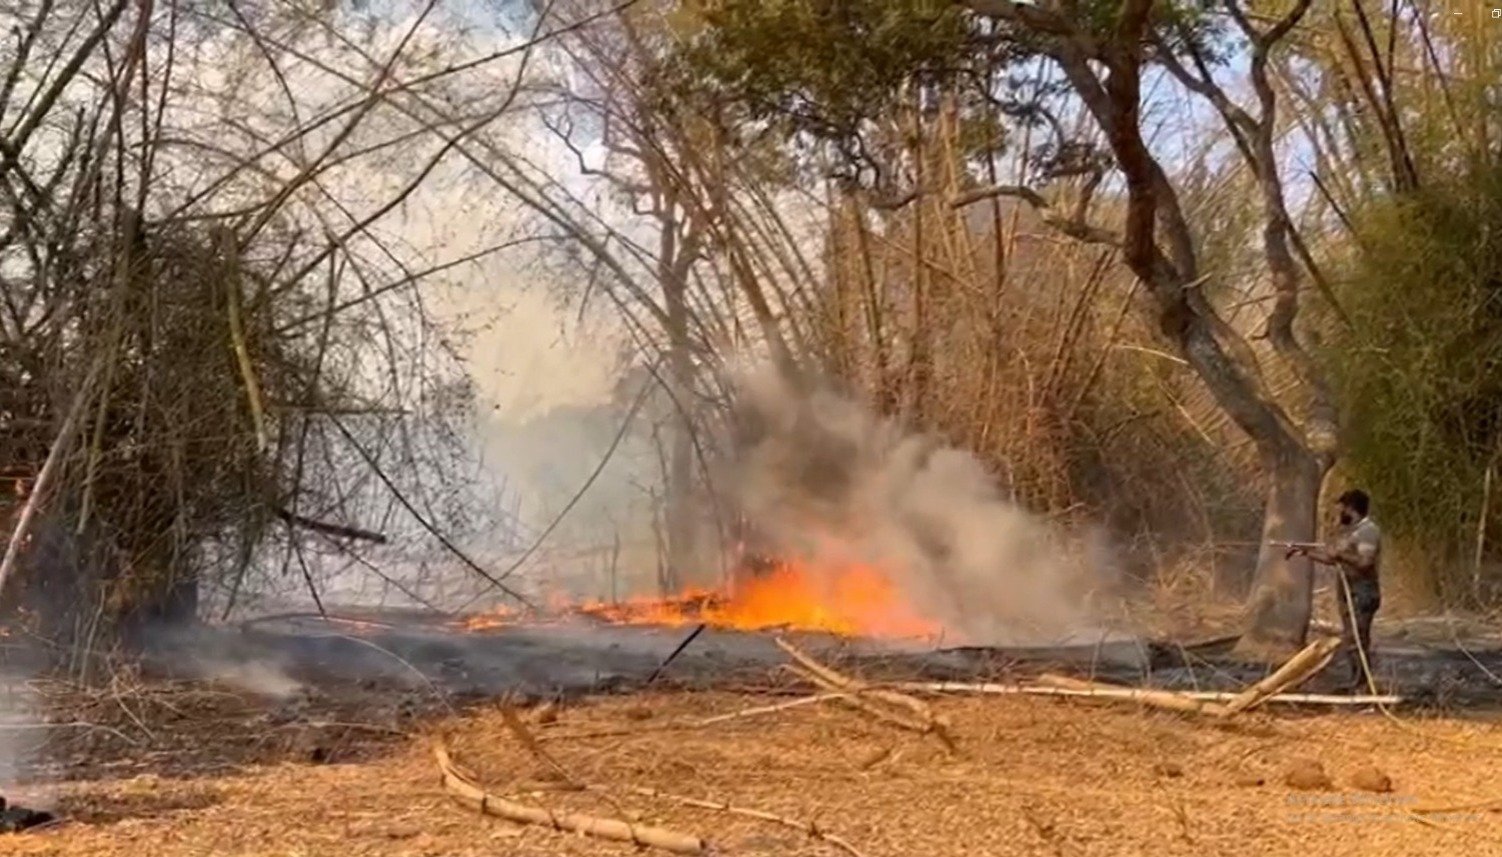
pixel 1033 777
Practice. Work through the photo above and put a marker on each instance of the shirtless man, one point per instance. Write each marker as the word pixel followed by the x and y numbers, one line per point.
pixel 1356 553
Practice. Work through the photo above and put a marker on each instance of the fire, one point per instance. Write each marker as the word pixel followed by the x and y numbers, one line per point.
pixel 852 600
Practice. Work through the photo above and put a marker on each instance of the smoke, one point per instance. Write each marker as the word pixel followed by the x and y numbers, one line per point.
pixel 198 653
pixel 821 477
pixel 22 730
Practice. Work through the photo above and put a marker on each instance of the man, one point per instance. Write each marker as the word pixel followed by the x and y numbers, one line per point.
pixel 1356 554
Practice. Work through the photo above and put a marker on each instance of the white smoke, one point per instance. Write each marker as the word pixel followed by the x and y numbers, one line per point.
pixel 20 734
pixel 822 477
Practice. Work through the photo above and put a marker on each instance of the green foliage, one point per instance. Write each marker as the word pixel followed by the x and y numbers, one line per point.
pixel 832 73
pixel 1419 370
pixel 827 64
pixel 836 71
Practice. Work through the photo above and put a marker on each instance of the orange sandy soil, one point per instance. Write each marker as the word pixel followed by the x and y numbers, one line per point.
pixel 1034 776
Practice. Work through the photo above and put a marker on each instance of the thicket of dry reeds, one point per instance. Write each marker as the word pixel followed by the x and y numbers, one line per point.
pixel 214 357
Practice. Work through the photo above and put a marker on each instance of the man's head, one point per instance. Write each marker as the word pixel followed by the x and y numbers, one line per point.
pixel 1353 506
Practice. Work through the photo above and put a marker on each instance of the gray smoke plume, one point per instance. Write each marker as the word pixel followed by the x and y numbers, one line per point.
pixel 821 477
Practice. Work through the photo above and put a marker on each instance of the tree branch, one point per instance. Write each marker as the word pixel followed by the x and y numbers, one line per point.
pixel 338 530
pixel 1074 227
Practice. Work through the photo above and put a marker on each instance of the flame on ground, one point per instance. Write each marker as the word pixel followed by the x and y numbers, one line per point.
pixel 851 600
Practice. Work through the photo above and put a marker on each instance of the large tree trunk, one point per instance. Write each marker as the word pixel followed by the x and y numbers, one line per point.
pixel 1297 456
pixel 1282 590
pixel 681 520
pixel 674 263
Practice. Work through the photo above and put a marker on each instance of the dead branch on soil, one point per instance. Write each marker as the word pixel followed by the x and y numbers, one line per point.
pixel 1298 669
pixel 463 789
pixel 519 729
pixel 1113 692
pixel 861 696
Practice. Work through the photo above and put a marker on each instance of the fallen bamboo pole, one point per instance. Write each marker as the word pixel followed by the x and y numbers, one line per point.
pixel 1166 699
pixel 860 703
pixel 839 681
pixel 1295 671
pixel 1110 692
pixel 863 696
pixel 462 789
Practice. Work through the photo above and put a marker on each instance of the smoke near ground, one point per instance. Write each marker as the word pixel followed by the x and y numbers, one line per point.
pixel 20 732
pixel 821 477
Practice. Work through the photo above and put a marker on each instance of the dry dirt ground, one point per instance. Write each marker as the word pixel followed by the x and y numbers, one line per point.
pixel 1032 776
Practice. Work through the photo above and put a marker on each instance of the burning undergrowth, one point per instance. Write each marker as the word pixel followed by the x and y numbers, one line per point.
pixel 880 532
pixel 822 477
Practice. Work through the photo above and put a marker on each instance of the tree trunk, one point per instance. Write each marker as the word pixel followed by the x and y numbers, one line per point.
pixel 682 547
pixel 681 533
pixel 1283 589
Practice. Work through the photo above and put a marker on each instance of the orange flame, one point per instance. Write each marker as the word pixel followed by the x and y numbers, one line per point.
pixel 849 600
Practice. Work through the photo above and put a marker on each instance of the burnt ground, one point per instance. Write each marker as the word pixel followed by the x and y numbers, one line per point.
pixel 234 740
pixel 580 657
pixel 215 699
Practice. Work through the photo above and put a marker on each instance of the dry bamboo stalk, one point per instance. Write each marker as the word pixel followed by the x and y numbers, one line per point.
pixel 764 709
pixel 1110 692
pixel 855 699
pixel 1069 682
pixel 60 444
pixel 850 698
pixel 238 344
pixel 464 790
pixel 807 827
pixel 1165 699
pixel 1301 666
pixel 842 682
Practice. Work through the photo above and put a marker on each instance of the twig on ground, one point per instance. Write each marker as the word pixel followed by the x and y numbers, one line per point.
pixel 463 789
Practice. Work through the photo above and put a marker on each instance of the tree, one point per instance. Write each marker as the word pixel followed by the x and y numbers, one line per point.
pixel 1094 54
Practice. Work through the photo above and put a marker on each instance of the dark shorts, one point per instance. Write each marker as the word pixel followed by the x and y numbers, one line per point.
pixel 1366 595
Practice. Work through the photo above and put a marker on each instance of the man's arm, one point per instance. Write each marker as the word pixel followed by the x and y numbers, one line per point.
pixel 1349 553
